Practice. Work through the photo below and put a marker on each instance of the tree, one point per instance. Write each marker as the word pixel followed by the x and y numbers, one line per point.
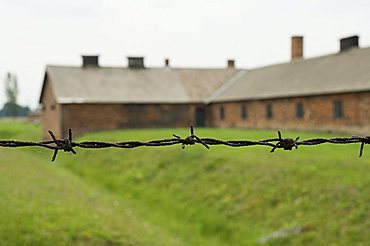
pixel 11 88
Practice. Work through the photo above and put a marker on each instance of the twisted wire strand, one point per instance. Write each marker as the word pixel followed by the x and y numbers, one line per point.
pixel 68 145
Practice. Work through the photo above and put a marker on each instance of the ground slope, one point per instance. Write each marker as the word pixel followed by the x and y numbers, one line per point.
pixel 169 196
pixel 44 204
pixel 247 196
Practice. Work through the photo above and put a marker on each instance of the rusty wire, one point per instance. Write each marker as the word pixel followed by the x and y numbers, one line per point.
pixel 67 144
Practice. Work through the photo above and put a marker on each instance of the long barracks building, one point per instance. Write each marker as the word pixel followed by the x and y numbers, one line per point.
pixel 322 93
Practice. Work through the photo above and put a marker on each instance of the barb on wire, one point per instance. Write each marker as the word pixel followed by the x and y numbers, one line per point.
pixel 285 143
pixel 190 140
pixel 67 144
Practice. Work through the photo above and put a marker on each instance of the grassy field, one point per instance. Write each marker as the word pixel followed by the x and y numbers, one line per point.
pixel 169 196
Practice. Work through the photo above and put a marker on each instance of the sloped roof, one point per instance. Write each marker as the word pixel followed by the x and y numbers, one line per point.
pixel 348 71
pixel 126 85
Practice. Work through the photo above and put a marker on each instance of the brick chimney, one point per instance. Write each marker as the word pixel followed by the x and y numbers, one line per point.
pixel 167 62
pixel 135 62
pixel 90 61
pixel 230 63
pixel 297 47
pixel 348 43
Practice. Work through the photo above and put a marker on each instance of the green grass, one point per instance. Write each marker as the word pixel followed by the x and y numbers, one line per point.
pixel 45 204
pixel 170 196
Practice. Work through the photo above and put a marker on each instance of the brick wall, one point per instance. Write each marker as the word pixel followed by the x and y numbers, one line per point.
pixel 51 112
pixel 318 113
pixel 97 117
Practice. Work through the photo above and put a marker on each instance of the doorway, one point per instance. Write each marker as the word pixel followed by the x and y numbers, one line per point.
pixel 200 117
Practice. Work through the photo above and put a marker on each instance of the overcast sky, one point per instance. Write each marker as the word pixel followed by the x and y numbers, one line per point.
pixel 191 33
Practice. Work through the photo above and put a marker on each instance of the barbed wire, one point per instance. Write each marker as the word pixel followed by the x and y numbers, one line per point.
pixel 67 143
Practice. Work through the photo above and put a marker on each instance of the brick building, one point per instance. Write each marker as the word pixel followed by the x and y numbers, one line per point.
pixel 93 98
pixel 328 92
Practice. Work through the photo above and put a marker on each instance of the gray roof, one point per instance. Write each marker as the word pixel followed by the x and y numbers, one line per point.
pixel 348 71
pixel 126 85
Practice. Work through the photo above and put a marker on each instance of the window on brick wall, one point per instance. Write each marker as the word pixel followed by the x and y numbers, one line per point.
pixel 243 112
pixel 222 113
pixel 338 109
pixel 269 112
pixel 299 111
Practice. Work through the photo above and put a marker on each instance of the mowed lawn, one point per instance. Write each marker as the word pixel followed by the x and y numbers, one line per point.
pixel 168 196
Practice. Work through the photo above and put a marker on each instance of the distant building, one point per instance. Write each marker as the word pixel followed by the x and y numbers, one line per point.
pixel 94 98
pixel 328 92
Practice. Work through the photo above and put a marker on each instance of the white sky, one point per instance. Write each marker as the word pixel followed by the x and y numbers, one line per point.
pixel 191 33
